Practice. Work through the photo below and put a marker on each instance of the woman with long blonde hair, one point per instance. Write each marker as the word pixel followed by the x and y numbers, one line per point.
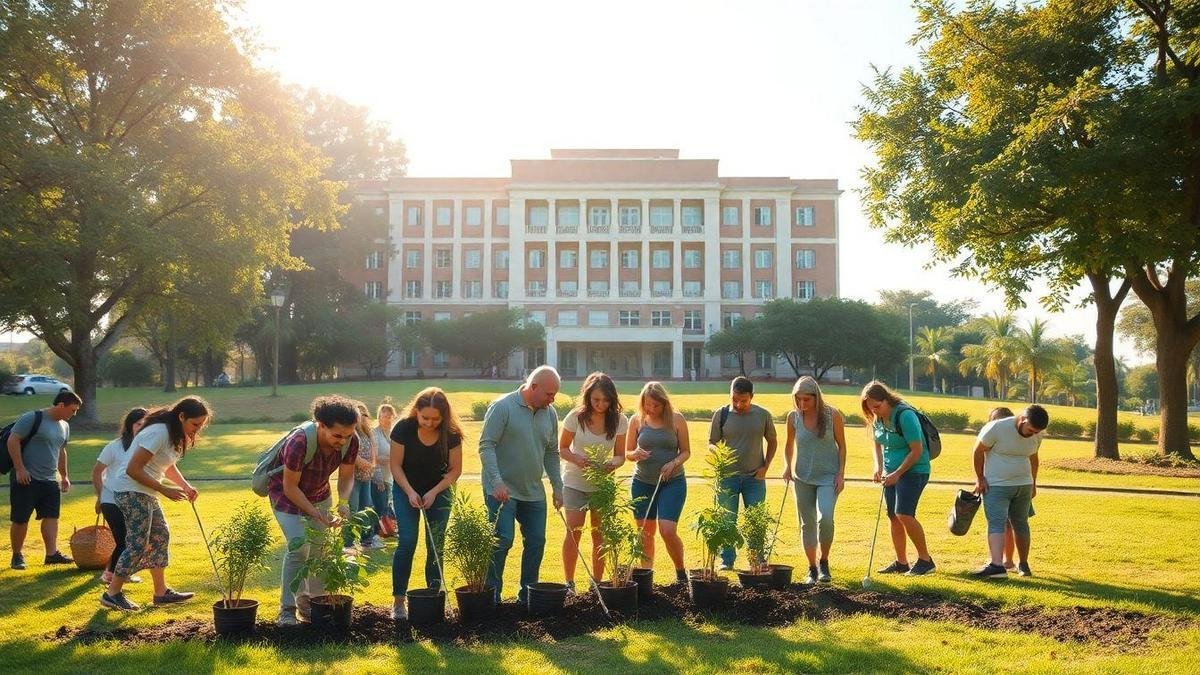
pixel 658 441
pixel 816 434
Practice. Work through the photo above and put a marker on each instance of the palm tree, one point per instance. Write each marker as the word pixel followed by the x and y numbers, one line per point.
pixel 1036 354
pixel 1072 381
pixel 993 358
pixel 934 353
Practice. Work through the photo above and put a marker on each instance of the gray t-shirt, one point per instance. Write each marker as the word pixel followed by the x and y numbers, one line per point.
pixel 1006 463
pixel 663 445
pixel 41 454
pixel 744 432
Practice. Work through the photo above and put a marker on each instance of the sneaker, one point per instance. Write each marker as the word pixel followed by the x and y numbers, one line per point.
pixel 134 579
pixel 287 617
pixel 922 567
pixel 570 589
pixel 171 597
pixel 399 612
pixel 374 544
pixel 118 602
pixel 896 567
pixel 724 566
pixel 681 577
pixel 813 576
pixel 991 571
pixel 823 572
pixel 57 558
pixel 304 607
pixel 18 561
pixel 1023 569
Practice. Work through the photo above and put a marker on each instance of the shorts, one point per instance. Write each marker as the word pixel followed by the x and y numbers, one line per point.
pixel 42 496
pixel 575 500
pixel 668 503
pixel 902 497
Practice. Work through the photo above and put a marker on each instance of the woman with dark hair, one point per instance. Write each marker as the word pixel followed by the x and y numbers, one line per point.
pixel 658 441
pixel 596 421
pixel 902 465
pixel 819 469
pixel 111 462
pixel 166 435
pixel 426 460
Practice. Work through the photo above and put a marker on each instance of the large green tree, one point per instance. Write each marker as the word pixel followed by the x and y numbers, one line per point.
pixel 816 335
pixel 484 339
pixel 138 146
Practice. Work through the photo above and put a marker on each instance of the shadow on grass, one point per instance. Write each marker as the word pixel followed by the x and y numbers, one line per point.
pixel 69 585
pixel 1155 598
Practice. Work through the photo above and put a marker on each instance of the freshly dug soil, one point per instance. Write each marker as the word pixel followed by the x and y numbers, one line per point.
pixel 1122 630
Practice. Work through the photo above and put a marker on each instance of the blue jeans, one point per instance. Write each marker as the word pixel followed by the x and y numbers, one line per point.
pixel 360 498
pixel 381 498
pixel 532 518
pixel 408 528
pixel 751 490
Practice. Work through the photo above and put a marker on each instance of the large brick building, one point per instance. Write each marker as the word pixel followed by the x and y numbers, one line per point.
pixel 630 258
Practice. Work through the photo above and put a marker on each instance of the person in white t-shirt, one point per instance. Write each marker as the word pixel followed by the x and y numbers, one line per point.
pixel 1006 467
pixel 112 461
pixel 596 421
pixel 162 442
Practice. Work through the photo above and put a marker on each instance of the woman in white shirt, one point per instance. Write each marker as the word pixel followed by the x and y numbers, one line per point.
pixel 112 461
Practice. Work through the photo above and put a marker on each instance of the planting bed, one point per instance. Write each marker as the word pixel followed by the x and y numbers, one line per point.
pixel 1122 630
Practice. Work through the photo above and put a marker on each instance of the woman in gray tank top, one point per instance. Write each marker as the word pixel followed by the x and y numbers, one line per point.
pixel 658 441
pixel 817 436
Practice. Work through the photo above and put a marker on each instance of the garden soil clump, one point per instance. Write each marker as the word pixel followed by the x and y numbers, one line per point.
pixel 1119 629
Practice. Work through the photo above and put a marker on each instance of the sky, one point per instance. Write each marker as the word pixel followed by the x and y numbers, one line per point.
pixel 767 87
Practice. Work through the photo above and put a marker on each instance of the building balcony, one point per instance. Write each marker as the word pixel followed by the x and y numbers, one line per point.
pixel 536 292
pixel 661 229
pixel 661 292
pixel 631 292
pixel 693 293
pixel 693 229
pixel 535 229
pixel 630 229
pixel 566 229
pixel 599 229
pixel 693 331
pixel 567 293
pixel 597 293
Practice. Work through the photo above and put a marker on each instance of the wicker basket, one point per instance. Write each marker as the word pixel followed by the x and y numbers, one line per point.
pixel 92 546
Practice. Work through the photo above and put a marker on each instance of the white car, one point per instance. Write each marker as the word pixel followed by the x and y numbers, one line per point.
pixel 29 385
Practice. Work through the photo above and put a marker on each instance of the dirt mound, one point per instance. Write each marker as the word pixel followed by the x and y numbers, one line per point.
pixel 1118 629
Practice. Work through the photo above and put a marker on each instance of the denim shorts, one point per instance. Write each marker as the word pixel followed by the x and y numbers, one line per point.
pixel 902 497
pixel 668 503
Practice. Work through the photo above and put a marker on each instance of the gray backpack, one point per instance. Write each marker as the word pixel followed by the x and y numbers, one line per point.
pixel 270 466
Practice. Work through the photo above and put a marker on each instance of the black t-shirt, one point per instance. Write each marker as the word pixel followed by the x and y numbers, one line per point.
pixel 424 465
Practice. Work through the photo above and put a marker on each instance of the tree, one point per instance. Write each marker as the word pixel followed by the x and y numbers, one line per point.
pixel 1137 324
pixel 821 333
pixel 743 336
pixel 137 143
pixel 1071 381
pixel 485 339
pixel 934 353
pixel 1142 383
pixel 1036 354
pixel 371 347
pixel 123 369
pixel 993 357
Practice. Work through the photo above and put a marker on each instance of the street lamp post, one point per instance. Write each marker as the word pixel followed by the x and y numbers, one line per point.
pixel 277 298
pixel 911 386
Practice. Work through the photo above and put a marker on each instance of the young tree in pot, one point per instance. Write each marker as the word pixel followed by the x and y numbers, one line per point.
pixel 755 525
pixel 240 547
pixel 470 545
pixel 716 527
pixel 342 571
pixel 620 540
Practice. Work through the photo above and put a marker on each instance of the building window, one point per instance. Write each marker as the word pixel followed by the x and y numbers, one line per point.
pixel 730 319
pixel 568 360
pixel 691 258
pixel 660 318
pixel 598 215
pixel 806 258
pixel 661 289
pixel 660 259
pixel 538 316
pixel 729 360
pixel 568 289
pixel 441 360
pixel 414 216
pixel 474 216
pixel 598 288
pixel 539 216
pixel 806 290
pixel 412 289
pixel 568 215
pixel 412 358
pixel 441 316
pixel 535 289
pixel 598 317
pixel 730 215
pixel 502 216
pixel 412 259
pixel 693 289
pixel 692 215
pixel 763 289
pixel 731 290
pixel 374 260
pixel 629 317
pixel 441 258
pixel 804 216
pixel 693 320
pixel 599 258
pixel 731 259
pixel 443 215
pixel 764 361
pixel 630 288
pixel 629 259
pixel 373 290
pixel 661 216
pixel 473 289
pixel 502 259
pixel 500 289
pixel 568 258
pixel 631 216
pixel 660 362
pixel 762 215
pixel 472 258
pixel 537 258
pixel 442 289
pixel 568 317
pixel 412 318
pixel 763 259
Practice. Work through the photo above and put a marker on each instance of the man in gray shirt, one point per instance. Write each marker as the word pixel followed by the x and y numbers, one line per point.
pixel 743 426
pixel 35 483
pixel 518 443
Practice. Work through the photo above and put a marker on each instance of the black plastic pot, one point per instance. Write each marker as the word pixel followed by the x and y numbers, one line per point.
pixel 781 576
pixel 331 611
pixel 751 580
pixel 545 598
pixel 426 605
pixel 644 578
pixel 622 599
pixel 708 593
pixel 235 620
pixel 475 605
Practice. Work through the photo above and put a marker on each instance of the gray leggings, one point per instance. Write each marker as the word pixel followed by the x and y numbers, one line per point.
pixel 814 506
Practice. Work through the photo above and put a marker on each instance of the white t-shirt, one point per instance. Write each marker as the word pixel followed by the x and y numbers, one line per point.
pixel 1007 463
pixel 156 440
pixel 572 474
pixel 114 457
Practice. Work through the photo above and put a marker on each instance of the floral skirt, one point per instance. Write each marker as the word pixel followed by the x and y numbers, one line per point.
pixel 146 534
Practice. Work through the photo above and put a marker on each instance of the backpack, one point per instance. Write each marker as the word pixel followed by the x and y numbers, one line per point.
pixel 933 438
pixel 269 464
pixel 6 462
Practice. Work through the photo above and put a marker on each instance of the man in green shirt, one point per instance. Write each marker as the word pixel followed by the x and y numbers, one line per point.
pixel 519 443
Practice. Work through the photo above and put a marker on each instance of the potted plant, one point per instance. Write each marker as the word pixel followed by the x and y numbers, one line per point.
pixel 620 539
pixel 754 524
pixel 716 527
pixel 239 547
pixel 342 571
pixel 470 545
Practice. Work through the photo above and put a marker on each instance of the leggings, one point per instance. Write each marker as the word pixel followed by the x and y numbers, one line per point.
pixel 116 523
pixel 815 503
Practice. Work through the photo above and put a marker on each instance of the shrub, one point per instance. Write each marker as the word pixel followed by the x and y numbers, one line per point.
pixel 1125 430
pixel 698 414
pixel 854 420
pixel 1089 429
pixel 240 546
pixel 470 540
pixel 124 369
pixel 342 571
pixel 1066 428
pixel 1193 432
pixel 1131 403
pixel 300 417
pixel 479 409
pixel 948 420
pixel 755 527
pixel 1144 435
pixel 562 407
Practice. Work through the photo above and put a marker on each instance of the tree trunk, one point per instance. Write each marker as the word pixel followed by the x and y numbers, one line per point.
pixel 169 351
pixel 85 360
pixel 1107 306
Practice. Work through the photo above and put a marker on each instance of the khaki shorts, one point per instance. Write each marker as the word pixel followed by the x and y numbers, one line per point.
pixel 575 500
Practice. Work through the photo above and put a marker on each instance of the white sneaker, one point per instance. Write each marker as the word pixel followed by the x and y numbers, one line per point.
pixel 375 543
pixel 134 579
pixel 287 617
pixel 399 612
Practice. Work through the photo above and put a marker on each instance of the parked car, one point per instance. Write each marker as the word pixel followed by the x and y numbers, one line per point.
pixel 29 385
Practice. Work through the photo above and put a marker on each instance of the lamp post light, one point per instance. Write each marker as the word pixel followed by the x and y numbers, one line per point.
pixel 277 299
pixel 911 386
